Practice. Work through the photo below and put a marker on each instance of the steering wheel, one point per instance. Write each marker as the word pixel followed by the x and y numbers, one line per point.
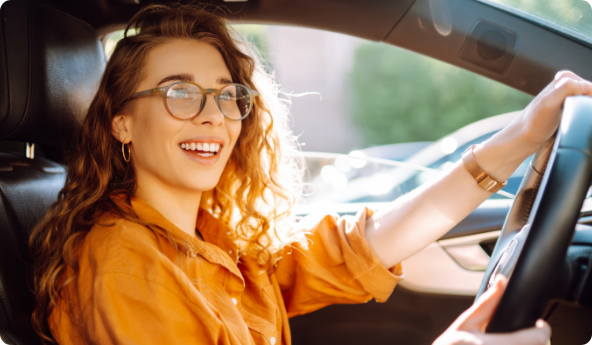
pixel 540 225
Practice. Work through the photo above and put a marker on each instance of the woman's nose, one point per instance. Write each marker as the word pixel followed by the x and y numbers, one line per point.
pixel 210 113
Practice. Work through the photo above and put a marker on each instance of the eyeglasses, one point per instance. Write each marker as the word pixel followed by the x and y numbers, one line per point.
pixel 185 100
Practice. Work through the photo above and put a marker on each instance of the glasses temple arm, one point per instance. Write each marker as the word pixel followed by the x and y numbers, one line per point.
pixel 147 92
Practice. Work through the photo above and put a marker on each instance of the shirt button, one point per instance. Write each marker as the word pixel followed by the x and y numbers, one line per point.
pixel 272 340
pixel 230 252
pixel 234 301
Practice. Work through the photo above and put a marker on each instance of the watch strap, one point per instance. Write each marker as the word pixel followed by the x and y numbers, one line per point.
pixel 484 180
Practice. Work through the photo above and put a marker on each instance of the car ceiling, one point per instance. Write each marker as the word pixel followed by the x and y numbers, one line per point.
pixel 411 24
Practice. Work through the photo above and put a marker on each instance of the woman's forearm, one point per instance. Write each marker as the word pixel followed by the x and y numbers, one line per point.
pixel 414 221
pixel 419 218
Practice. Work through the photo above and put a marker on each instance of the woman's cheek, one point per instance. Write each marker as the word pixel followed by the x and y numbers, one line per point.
pixel 234 133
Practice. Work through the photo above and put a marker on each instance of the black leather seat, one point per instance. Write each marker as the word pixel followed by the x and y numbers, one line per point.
pixel 50 66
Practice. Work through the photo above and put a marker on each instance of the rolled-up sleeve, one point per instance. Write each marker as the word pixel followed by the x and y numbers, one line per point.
pixel 338 267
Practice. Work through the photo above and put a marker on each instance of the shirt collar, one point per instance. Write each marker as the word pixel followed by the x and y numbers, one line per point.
pixel 218 246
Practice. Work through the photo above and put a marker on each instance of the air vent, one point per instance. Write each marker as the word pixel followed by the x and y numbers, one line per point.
pixel 490 46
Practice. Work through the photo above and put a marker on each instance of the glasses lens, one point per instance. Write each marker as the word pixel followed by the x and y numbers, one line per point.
pixel 184 100
pixel 235 101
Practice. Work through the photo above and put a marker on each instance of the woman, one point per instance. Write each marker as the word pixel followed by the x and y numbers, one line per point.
pixel 174 224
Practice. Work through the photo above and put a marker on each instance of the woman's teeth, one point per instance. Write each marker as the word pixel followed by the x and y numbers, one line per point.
pixel 202 149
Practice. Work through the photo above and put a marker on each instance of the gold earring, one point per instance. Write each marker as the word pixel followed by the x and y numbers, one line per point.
pixel 129 152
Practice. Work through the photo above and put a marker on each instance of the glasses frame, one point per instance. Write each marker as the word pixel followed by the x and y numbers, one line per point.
pixel 204 92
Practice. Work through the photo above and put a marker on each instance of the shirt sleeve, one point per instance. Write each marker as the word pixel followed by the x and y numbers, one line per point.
pixel 127 309
pixel 338 267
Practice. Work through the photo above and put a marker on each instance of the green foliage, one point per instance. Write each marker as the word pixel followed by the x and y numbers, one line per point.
pixel 400 96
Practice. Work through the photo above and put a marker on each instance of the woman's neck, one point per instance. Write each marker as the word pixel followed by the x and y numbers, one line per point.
pixel 178 206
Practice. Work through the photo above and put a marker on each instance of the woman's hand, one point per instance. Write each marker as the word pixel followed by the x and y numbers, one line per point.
pixel 502 153
pixel 469 328
pixel 541 117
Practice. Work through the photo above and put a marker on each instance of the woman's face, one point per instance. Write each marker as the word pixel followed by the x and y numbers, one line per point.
pixel 156 137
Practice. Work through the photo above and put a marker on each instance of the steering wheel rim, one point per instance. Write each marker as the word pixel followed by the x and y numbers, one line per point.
pixel 542 220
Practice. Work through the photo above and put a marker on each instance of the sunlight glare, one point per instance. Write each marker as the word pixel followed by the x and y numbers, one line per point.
pixel 333 177
pixel 356 159
pixel 448 145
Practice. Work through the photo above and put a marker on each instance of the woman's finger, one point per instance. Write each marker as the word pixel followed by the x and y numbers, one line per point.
pixel 564 88
pixel 573 87
pixel 477 317
pixel 567 74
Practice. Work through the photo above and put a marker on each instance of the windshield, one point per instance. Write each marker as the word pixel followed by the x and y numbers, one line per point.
pixel 570 17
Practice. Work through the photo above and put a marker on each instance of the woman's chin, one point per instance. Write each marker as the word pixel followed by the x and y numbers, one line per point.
pixel 203 184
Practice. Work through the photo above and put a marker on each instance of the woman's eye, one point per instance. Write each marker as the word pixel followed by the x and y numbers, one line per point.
pixel 180 94
pixel 227 96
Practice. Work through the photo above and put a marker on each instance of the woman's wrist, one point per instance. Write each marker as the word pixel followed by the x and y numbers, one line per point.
pixel 500 155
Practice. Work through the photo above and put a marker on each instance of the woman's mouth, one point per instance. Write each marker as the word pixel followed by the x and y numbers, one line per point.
pixel 202 149
pixel 204 153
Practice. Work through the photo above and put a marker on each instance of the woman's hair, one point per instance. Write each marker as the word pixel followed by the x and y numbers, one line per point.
pixel 257 189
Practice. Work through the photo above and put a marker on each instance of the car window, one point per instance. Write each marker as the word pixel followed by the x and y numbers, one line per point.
pixel 354 178
pixel 368 114
pixel 570 17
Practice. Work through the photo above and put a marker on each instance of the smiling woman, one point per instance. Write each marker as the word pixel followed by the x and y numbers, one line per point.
pixel 175 223
pixel 220 153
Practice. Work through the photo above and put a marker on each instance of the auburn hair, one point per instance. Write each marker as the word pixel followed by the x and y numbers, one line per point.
pixel 258 187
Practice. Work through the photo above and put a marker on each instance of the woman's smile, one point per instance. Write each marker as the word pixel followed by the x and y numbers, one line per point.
pixel 204 150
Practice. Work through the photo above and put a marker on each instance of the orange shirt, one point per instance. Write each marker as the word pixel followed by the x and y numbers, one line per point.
pixel 133 287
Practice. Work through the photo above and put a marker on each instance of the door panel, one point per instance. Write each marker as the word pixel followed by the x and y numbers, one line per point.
pixel 469 252
pixel 438 269
pixel 407 318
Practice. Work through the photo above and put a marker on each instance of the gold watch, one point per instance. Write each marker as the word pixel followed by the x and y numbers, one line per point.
pixel 484 180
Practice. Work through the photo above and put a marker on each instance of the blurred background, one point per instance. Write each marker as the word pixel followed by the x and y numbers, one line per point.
pixel 372 93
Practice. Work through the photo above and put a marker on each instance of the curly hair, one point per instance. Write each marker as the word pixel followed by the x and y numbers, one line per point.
pixel 257 189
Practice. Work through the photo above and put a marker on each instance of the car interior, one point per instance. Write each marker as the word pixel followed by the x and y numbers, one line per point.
pixel 52 58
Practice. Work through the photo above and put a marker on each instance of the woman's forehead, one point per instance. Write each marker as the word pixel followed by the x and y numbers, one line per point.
pixel 189 57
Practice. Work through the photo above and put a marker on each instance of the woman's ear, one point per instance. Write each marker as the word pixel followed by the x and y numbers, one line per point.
pixel 120 129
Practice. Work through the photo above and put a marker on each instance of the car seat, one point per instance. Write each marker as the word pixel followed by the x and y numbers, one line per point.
pixel 50 67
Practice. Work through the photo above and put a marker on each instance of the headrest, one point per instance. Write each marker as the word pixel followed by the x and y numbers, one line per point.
pixel 50 67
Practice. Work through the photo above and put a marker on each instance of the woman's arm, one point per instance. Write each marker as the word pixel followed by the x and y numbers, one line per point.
pixel 414 221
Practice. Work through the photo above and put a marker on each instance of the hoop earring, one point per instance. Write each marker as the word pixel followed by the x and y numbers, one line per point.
pixel 129 152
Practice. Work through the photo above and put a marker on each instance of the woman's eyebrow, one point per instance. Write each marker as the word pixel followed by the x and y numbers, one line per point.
pixel 223 80
pixel 178 77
